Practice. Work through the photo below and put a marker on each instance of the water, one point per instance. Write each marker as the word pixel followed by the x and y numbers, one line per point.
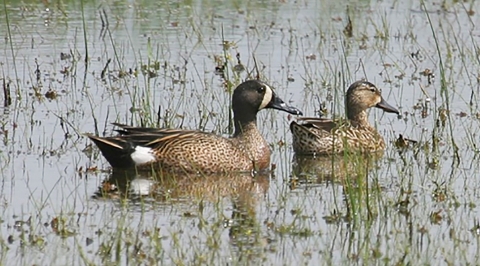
pixel 421 203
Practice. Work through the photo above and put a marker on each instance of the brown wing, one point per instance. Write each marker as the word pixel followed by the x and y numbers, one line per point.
pixel 130 130
pixel 315 136
pixel 318 123
pixel 151 137
pixel 117 150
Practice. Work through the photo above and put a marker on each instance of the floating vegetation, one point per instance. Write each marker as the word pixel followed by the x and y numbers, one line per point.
pixel 71 70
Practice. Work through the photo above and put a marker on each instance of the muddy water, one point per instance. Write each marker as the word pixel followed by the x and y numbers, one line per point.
pixel 163 56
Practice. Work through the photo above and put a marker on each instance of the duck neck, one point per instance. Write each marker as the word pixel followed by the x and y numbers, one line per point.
pixel 248 140
pixel 244 123
pixel 358 118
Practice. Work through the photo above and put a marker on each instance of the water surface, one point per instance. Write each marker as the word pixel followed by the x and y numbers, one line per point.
pixel 60 207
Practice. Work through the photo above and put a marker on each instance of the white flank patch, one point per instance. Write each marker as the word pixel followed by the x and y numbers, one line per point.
pixel 142 155
pixel 267 97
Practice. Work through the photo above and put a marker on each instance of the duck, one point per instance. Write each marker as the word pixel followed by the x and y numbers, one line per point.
pixel 321 136
pixel 192 151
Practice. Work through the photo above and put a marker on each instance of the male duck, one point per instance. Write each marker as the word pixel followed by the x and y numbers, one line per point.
pixel 319 136
pixel 189 151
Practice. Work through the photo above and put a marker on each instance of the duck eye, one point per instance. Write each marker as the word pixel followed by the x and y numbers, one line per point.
pixel 372 89
pixel 261 89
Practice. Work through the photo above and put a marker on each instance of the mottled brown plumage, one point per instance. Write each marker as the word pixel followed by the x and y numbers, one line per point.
pixel 319 136
pixel 177 150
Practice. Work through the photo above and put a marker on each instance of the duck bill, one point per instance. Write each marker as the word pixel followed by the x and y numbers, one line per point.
pixel 387 107
pixel 279 104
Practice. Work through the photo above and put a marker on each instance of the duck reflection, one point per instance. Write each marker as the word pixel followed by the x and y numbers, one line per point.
pixel 243 190
pixel 314 170
pixel 131 184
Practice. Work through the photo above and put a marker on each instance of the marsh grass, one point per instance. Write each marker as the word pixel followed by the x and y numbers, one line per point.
pixel 414 205
pixel 8 26
pixel 444 92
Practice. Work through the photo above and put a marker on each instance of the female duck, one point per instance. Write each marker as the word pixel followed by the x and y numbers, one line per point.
pixel 189 151
pixel 319 136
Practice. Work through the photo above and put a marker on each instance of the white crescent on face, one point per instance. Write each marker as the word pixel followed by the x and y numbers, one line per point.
pixel 267 98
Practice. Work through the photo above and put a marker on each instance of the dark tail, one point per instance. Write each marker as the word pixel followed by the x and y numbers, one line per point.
pixel 117 151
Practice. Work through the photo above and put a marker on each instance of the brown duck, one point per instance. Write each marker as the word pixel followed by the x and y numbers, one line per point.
pixel 319 136
pixel 190 151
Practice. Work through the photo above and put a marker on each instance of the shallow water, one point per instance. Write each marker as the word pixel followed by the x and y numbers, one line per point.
pixel 411 207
